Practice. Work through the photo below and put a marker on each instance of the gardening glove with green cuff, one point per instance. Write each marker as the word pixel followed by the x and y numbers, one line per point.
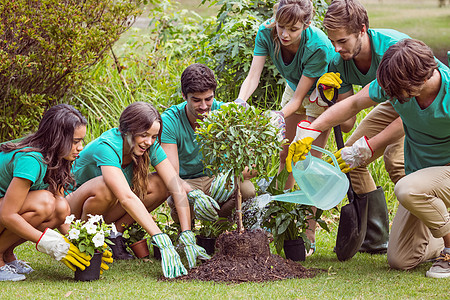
pixel 170 260
pixel 218 189
pixel 301 145
pixel 60 248
pixel 191 249
pixel 354 156
pixel 205 207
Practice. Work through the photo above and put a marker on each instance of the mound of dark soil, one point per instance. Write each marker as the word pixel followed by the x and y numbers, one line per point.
pixel 246 257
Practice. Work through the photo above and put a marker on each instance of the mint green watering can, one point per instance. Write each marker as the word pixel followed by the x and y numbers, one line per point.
pixel 321 184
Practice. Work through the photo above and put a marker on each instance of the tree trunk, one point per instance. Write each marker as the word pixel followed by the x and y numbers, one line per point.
pixel 237 191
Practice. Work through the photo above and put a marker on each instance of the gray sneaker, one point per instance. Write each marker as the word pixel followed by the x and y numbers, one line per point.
pixel 441 268
pixel 20 266
pixel 9 274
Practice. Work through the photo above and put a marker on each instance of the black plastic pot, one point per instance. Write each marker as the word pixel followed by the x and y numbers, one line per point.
pixel 93 271
pixel 208 243
pixel 295 249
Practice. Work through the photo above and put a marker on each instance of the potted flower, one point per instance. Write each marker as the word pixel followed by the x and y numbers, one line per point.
pixel 288 222
pixel 89 237
pixel 209 231
pixel 135 239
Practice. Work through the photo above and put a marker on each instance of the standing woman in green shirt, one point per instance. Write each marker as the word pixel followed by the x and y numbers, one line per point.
pixel 301 53
pixel 34 173
pixel 113 180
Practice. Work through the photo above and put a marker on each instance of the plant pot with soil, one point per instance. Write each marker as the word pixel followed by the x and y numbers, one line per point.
pixel 89 237
pixel 135 239
pixel 209 231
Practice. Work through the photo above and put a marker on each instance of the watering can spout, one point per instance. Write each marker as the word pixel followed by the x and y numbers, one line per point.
pixel 321 184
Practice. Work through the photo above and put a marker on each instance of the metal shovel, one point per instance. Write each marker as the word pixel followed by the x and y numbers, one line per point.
pixel 353 218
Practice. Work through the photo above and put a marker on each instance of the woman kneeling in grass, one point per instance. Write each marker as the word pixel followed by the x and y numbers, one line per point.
pixel 33 175
pixel 113 180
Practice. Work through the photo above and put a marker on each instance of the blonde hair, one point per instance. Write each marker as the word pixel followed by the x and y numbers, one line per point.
pixel 288 13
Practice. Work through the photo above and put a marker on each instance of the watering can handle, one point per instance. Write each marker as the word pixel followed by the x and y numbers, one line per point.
pixel 336 165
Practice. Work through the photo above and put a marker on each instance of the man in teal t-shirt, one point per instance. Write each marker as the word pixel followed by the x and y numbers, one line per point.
pixel 418 86
pixel 360 50
pixel 198 87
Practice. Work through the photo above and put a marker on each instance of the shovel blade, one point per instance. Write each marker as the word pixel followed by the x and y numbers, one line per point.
pixel 352 227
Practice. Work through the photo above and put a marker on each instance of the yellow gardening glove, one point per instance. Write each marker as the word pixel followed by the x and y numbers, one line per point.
pixel 331 80
pixel 345 168
pixel 106 259
pixel 301 144
pixel 60 248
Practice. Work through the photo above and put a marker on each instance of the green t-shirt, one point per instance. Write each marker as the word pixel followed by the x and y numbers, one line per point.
pixel 177 130
pixel 27 165
pixel 312 57
pixel 380 41
pixel 107 150
pixel 427 131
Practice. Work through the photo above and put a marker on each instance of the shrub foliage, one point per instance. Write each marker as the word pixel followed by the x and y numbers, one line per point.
pixel 44 47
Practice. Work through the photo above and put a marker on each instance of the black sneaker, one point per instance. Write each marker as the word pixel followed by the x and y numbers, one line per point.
pixel 119 249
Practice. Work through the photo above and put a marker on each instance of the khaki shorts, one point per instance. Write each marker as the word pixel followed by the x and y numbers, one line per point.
pixel 307 108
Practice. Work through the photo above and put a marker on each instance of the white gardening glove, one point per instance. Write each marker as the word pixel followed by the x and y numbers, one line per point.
pixel 277 121
pixel 301 144
pixel 354 156
pixel 60 248
pixel 218 190
pixel 241 102
pixel 205 207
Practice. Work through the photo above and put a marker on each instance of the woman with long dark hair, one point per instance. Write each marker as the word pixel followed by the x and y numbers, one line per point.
pixel 34 173
pixel 113 180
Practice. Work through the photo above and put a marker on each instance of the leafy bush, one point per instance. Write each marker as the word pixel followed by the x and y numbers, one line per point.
pixel 45 46
pixel 234 138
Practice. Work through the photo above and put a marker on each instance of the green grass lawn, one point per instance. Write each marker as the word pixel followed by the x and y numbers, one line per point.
pixel 363 277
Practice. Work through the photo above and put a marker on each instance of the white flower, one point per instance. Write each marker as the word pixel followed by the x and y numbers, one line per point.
pixel 99 239
pixel 69 219
pixel 74 234
pixel 95 219
pixel 114 229
pixel 91 228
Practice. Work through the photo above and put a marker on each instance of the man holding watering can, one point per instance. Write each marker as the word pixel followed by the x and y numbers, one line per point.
pixel 418 86
pixel 360 51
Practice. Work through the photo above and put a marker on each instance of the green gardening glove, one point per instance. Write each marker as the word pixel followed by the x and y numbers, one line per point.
pixel 218 189
pixel 170 260
pixel 191 249
pixel 205 207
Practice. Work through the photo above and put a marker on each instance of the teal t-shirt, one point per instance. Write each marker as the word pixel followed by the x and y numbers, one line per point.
pixel 380 41
pixel 312 57
pixel 427 131
pixel 27 165
pixel 107 150
pixel 177 130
